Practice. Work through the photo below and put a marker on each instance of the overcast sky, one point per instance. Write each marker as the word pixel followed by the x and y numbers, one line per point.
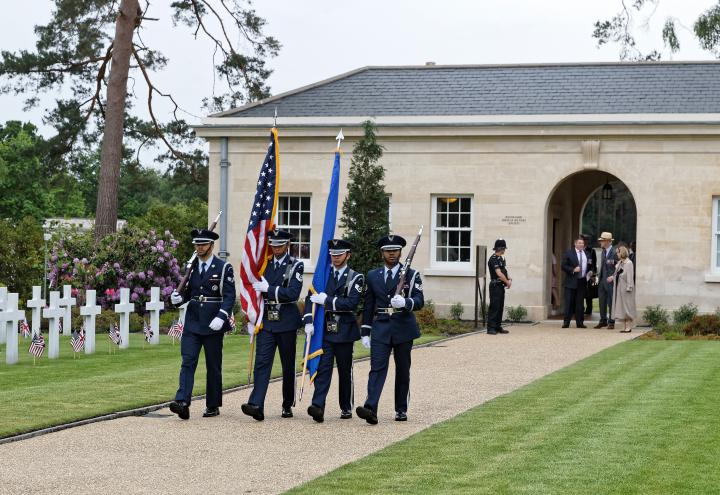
pixel 323 38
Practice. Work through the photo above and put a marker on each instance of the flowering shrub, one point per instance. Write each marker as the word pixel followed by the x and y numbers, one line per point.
pixel 130 258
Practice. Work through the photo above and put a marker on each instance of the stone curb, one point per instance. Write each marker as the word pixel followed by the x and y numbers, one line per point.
pixel 142 411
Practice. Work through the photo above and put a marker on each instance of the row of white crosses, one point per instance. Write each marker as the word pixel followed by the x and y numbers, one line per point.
pixel 59 309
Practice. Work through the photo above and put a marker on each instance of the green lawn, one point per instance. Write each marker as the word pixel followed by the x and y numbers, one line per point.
pixel 641 417
pixel 58 391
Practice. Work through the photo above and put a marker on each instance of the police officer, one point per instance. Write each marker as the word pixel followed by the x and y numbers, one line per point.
pixel 210 294
pixel 389 319
pixel 340 300
pixel 499 281
pixel 281 286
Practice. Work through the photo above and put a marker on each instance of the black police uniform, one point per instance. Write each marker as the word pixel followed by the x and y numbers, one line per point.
pixel 281 319
pixel 340 332
pixel 497 290
pixel 210 294
pixel 391 331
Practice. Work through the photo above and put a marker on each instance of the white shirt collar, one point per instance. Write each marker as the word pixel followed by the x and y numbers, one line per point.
pixel 280 261
pixel 394 270
pixel 340 271
pixel 207 262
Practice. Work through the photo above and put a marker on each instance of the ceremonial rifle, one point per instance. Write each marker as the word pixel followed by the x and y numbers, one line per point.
pixel 191 262
pixel 408 262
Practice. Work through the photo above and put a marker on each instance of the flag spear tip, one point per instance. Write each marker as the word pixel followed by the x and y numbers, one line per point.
pixel 339 138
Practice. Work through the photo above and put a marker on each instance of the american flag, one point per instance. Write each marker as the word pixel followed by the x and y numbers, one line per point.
pixel 146 330
pixel 114 334
pixel 176 330
pixel 24 329
pixel 37 345
pixel 77 340
pixel 255 251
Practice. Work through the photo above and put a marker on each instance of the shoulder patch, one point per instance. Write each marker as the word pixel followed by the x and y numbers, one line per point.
pixel 299 276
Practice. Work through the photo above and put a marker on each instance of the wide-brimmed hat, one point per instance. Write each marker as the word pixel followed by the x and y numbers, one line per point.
pixel 606 236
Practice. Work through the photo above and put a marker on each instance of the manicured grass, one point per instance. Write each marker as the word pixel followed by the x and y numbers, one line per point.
pixel 641 417
pixel 58 391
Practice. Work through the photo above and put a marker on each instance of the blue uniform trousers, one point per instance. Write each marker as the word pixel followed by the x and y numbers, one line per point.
pixel 190 351
pixel 265 345
pixel 342 352
pixel 379 360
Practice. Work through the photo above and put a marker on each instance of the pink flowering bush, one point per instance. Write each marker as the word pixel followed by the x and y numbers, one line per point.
pixel 131 258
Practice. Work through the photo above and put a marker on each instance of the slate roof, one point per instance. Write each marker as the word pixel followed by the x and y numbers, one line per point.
pixel 606 88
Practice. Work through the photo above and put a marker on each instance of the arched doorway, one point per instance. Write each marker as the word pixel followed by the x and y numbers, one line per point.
pixel 588 202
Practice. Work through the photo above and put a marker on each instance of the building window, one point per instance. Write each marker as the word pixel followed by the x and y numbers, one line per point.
pixel 294 216
pixel 452 229
pixel 716 235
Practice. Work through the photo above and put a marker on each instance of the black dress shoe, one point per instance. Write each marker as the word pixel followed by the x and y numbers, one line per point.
pixel 400 416
pixel 180 408
pixel 253 411
pixel 601 324
pixel 581 326
pixel 367 414
pixel 286 412
pixel 211 412
pixel 317 413
pixel 345 414
pixel 502 330
pixel 491 332
pixel 565 325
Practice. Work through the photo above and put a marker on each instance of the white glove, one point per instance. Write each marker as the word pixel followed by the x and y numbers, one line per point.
pixel 176 298
pixel 216 324
pixel 397 301
pixel 309 329
pixel 365 341
pixel 250 329
pixel 261 286
pixel 319 298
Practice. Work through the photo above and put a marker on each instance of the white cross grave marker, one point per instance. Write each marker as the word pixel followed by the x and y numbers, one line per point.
pixel 89 312
pixel 155 306
pixel 124 309
pixel 68 302
pixel 3 298
pixel 9 319
pixel 54 312
pixel 35 305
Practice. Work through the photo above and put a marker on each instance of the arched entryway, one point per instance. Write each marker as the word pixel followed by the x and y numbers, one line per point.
pixel 588 202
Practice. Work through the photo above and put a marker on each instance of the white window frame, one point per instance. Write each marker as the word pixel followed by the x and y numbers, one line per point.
pixel 714 258
pixel 451 265
pixel 303 227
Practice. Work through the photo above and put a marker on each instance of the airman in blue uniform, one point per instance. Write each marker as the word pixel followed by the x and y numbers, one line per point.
pixel 210 294
pixel 280 285
pixel 340 300
pixel 499 280
pixel 389 321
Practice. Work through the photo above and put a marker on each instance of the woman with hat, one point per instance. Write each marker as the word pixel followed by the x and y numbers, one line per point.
pixel 623 307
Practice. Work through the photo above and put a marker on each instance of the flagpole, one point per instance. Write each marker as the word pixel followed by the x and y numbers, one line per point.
pixel 307 351
pixel 250 357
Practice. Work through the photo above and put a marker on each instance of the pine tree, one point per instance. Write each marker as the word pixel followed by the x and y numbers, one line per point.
pixel 365 208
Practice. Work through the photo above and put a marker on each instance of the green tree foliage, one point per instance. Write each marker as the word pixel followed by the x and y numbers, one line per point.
pixel 73 55
pixel 619 29
pixel 365 208
pixel 21 259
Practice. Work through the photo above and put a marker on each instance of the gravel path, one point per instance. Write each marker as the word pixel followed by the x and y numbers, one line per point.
pixel 232 453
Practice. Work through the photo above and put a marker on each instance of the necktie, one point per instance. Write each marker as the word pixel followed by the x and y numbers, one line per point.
pixel 202 270
pixel 277 264
pixel 337 277
pixel 388 280
pixel 580 260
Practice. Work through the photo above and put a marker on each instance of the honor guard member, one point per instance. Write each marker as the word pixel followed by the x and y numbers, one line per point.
pixel 389 320
pixel 498 282
pixel 281 286
pixel 210 294
pixel 340 300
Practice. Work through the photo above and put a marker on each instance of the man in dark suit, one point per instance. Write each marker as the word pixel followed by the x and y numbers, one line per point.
pixel 340 301
pixel 281 285
pixel 575 265
pixel 389 319
pixel 210 294
pixel 605 286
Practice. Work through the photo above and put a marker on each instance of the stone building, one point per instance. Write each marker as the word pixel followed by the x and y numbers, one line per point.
pixel 534 154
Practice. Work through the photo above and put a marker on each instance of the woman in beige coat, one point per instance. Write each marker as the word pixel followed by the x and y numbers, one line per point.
pixel 624 294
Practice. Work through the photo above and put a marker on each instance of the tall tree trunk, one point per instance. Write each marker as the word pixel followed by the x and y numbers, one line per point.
pixel 111 153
